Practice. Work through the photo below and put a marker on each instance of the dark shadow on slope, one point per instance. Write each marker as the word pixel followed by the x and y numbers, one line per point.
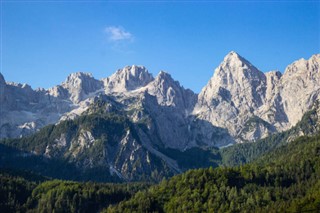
pixel 247 152
pixel 12 158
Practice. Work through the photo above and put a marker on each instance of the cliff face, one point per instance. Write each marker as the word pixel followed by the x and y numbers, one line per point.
pixel 239 103
pixel 239 95
pixel 132 126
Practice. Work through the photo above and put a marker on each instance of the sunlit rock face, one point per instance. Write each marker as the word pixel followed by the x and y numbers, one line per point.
pixel 239 104
pixel 238 94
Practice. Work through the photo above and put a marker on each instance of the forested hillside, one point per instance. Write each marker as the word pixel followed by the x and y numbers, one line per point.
pixel 282 176
pixel 286 180
pixel 26 192
pixel 90 147
pixel 243 153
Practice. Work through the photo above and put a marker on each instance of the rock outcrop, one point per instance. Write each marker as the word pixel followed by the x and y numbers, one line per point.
pixel 239 104
pixel 252 104
pixel 127 79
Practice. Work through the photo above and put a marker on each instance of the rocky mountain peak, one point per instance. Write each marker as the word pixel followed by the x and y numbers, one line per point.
pixel 163 74
pixel 303 67
pixel 301 78
pixel 315 58
pixel 2 87
pixel 137 71
pixel 127 79
pixel 164 81
pixel 75 79
pixel 237 96
pixel 237 66
pixel 235 91
pixel 234 77
pixel 233 57
pixel 2 81
pixel 165 77
pixel 169 92
pixel 80 84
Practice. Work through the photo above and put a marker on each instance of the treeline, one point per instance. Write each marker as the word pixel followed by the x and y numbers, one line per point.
pixel 101 125
pixel 239 154
pixel 14 191
pixel 287 180
pixel 27 153
pixel 18 193
pixel 108 126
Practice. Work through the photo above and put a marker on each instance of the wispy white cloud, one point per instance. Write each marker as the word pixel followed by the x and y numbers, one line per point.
pixel 118 33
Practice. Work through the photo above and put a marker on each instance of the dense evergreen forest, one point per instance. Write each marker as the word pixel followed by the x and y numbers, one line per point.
pixel 284 180
pixel 270 175
pixel 239 154
pixel 26 192
pixel 91 163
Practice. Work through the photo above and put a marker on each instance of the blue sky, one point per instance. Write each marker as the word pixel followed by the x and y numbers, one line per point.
pixel 44 41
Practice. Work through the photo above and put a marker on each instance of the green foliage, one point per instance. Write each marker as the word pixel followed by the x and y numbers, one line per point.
pixel 67 196
pixel 286 180
pixel 108 125
pixel 194 157
pixel 56 168
pixel 247 152
pixel 19 194
pixel 27 152
pixel 14 191
pixel 244 153
pixel 105 126
pixel 256 121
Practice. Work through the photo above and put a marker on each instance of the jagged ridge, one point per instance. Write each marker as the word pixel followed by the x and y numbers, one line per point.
pixel 236 94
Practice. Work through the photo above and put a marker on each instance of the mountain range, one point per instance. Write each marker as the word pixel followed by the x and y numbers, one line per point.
pixel 132 123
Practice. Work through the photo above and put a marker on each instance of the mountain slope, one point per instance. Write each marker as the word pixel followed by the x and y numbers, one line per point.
pixel 286 180
pixel 25 192
pixel 238 93
pixel 232 94
pixel 127 79
pixel 132 126
pixel 239 154
pixel 104 144
pixel 239 104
